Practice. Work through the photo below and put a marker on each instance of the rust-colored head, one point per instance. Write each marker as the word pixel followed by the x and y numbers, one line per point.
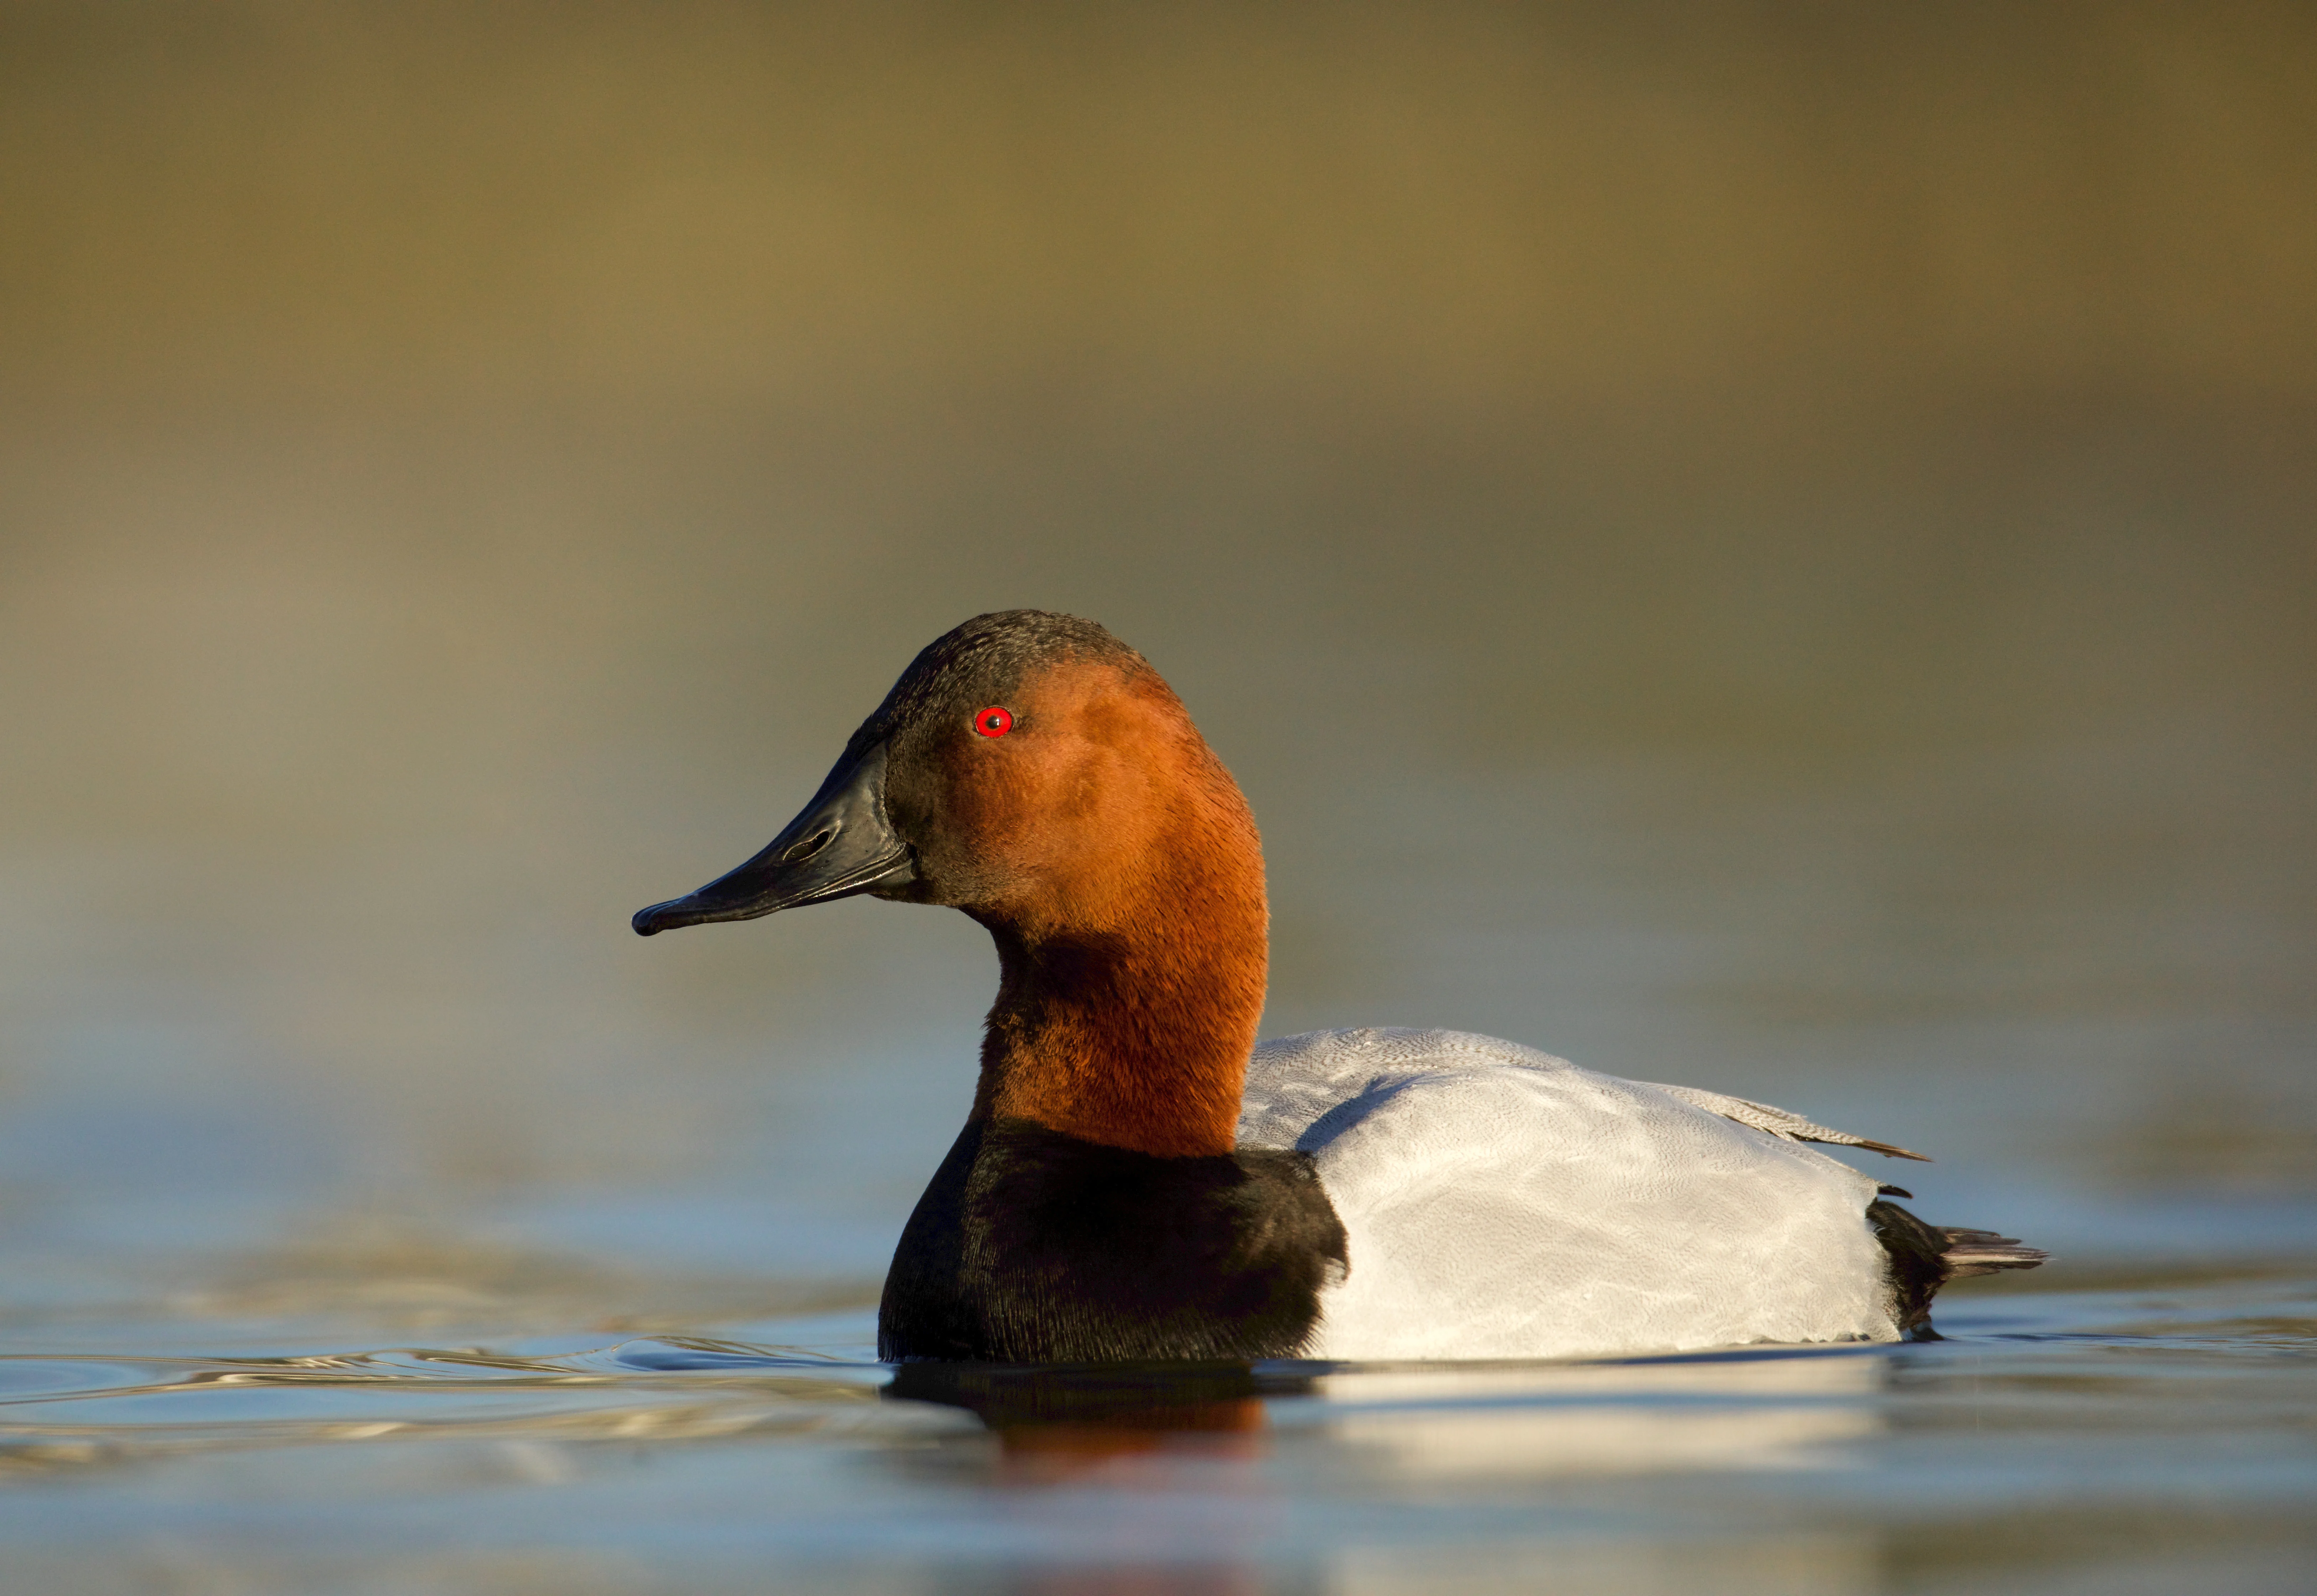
pixel 1037 774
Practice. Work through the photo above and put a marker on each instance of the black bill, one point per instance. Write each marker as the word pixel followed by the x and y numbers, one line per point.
pixel 840 846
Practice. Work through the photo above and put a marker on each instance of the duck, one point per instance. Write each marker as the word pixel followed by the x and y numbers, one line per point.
pixel 1138 1180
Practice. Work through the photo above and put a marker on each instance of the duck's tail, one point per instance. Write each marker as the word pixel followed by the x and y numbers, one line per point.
pixel 1925 1257
pixel 1982 1253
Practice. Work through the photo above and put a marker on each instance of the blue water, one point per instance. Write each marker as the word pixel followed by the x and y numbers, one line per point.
pixel 2150 1434
pixel 352 1246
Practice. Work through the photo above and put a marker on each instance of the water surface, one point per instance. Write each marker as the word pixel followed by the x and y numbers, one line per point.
pixel 2153 1433
pixel 1759 545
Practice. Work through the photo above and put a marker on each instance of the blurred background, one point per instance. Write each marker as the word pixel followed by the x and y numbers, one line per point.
pixel 1762 545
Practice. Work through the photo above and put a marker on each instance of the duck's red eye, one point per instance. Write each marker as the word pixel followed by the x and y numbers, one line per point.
pixel 993 722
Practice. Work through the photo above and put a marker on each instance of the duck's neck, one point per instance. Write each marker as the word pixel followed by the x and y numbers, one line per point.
pixel 1125 1016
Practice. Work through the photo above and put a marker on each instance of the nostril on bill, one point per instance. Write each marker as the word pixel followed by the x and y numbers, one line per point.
pixel 810 846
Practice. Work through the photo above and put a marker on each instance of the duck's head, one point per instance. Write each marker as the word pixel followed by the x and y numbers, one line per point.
pixel 1028 768
pixel 1035 772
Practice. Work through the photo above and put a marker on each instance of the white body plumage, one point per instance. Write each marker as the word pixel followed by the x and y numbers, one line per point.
pixel 1498 1202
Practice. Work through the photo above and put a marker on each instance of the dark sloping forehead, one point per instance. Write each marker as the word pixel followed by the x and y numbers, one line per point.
pixel 983 662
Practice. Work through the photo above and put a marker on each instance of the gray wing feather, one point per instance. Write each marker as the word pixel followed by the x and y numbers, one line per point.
pixel 1778 1122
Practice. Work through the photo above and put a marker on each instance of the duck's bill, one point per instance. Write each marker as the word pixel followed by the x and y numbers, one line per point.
pixel 840 846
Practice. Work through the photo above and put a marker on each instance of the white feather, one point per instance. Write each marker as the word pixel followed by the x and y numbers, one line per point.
pixel 1499 1202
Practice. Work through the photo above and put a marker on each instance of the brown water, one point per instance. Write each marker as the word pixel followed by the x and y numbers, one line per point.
pixel 1738 545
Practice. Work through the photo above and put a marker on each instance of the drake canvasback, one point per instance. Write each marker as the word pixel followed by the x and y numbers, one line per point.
pixel 1139 1180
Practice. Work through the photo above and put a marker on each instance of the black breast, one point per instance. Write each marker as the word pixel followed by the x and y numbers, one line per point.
pixel 1031 1246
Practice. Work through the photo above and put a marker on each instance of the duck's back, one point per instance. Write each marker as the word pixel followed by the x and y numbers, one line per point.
pixel 1502 1203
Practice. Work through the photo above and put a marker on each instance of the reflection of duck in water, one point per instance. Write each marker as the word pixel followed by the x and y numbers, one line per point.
pixel 1132 1184
pixel 1057 1422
